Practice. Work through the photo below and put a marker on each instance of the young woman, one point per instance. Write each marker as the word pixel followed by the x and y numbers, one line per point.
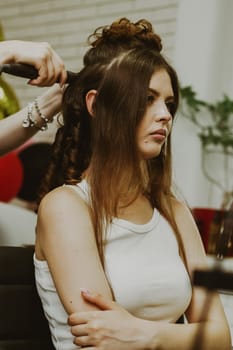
pixel 116 227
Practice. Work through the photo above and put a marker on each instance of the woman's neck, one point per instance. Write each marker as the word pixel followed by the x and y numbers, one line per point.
pixel 138 211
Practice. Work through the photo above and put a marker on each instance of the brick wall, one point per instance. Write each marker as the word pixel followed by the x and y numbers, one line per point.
pixel 66 24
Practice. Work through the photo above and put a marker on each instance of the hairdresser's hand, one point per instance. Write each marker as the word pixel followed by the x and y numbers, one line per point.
pixel 111 328
pixel 39 54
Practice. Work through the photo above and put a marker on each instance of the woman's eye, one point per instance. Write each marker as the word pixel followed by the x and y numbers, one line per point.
pixel 150 99
pixel 171 107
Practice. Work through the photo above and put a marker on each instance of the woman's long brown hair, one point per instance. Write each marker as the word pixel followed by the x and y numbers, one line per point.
pixel 106 142
pixel 71 149
pixel 115 168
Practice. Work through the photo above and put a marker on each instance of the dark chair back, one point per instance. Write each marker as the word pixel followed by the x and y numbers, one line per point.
pixel 23 325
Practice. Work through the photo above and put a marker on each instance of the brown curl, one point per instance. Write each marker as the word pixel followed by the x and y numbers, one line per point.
pixel 108 41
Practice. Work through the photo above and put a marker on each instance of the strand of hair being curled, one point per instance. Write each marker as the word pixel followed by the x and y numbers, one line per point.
pixel 71 150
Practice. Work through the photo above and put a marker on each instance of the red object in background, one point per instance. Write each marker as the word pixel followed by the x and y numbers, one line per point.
pixel 204 217
pixel 11 176
pixel 26 144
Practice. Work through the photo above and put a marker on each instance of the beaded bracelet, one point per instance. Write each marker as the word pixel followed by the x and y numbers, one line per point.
pixel 41 115
pixel 29 122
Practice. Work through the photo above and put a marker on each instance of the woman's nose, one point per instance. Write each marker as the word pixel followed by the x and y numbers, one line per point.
pixel 162 112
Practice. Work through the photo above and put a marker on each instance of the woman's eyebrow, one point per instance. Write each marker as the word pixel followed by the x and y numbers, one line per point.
pixel 156 93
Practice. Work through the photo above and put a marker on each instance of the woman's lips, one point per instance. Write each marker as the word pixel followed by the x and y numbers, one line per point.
pixel 159 135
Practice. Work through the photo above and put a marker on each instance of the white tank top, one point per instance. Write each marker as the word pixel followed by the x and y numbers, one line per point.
pixel 143 267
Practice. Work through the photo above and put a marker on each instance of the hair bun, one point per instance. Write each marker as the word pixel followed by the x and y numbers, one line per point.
pixel 126 33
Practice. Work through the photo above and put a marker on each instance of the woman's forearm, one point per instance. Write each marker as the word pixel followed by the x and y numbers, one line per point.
pixel 12 132
pixel 196 336
pixel 116 328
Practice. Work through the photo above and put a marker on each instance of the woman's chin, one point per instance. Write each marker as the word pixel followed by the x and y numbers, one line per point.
pixel 149 154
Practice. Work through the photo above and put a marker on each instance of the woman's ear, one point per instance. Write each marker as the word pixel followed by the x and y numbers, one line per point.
pixel 90 99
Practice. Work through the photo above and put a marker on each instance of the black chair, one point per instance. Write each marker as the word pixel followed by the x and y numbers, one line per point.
pixel 23 325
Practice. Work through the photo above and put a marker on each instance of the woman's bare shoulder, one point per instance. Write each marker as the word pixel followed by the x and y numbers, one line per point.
pixel 189 233
pixel 179 204
pixel 60 206
pixel 62 197
pixel 181 210
pixel 63 213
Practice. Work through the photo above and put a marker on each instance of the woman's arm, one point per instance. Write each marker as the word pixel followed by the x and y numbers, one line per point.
pixel 207 331
pixel 115 329
pixel 39 54
pixel 65 239
pixel 50 70
pixel 13 134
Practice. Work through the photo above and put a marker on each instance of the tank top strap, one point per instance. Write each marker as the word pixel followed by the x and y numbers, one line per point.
pixel 82 189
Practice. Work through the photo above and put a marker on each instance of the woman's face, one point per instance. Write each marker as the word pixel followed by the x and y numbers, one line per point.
pixel 155 126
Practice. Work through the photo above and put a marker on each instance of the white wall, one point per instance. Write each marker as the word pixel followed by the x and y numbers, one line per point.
pixel 203 59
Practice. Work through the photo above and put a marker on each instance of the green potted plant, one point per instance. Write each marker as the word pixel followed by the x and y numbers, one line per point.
pixel 215 132
pixel 214 125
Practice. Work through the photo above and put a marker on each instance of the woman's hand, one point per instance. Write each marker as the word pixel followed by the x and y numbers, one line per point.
pixel 111 328
pixel 41 55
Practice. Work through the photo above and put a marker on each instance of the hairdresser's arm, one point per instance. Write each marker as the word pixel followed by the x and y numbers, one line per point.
pixel 65 238
pixel 39 54
pixel 12 134
pixel 117 329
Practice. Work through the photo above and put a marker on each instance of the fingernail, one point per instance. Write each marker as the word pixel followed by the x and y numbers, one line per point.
pixel 85 291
